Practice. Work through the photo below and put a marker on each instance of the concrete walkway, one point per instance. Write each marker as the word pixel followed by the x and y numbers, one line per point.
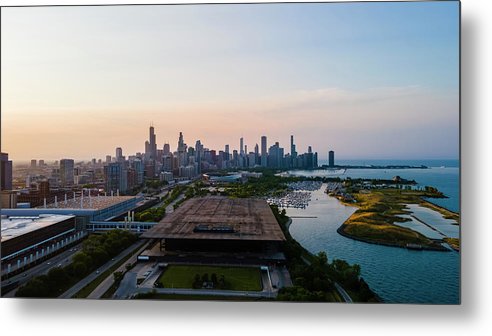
pixel 215 292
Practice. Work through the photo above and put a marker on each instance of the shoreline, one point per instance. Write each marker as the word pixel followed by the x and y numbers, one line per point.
pixel 442 210
pixel 341 231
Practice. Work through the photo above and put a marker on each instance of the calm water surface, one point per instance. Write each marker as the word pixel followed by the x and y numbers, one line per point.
pixel 397 275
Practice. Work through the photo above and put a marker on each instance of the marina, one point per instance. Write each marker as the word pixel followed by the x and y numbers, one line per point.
pixel 298 196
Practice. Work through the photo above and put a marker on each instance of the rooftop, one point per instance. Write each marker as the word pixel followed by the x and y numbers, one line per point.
pixel 93 202
pixel 216 217
pixel 15 226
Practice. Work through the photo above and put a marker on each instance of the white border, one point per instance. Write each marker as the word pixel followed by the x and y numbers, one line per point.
pixel 72 317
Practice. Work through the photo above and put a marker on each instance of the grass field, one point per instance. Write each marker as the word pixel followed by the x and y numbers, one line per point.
pixel 236 278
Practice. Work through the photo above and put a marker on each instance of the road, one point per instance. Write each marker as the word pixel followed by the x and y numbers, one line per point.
pixel 62 260
pixel 91 277
pixel 106 284
pixel 343 293
pixel 170 207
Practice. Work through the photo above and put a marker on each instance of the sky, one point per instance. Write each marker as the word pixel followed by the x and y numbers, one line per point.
pixel 367 80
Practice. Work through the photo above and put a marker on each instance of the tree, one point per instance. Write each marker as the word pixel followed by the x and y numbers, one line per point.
pixel 57 277
pixel 79 269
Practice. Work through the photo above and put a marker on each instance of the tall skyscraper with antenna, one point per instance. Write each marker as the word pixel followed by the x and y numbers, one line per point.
pixel 152 144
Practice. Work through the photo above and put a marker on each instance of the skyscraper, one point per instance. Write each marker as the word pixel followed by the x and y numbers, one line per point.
pixel 119 154
pixel 257 154
pixel 5 172
pixel 152 144
pixel 263 151
pixel 116 177
pixel 293 153
pixel 241 146
pixel 275 156
pixel 182 157
pixel 66 172
pixel 331 158
pixel 167 149
pixel 199 156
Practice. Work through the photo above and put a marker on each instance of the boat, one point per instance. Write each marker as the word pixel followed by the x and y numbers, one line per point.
pixel 412 246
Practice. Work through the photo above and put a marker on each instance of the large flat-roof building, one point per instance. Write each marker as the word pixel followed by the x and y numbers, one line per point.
pixel 220 224
pixel 94 208
pixel 28 239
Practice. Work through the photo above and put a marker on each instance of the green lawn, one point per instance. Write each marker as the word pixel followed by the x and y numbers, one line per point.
pixel 236 278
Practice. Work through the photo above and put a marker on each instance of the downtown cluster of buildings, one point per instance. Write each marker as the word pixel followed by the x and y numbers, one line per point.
pixel 120 174
pixel 187 162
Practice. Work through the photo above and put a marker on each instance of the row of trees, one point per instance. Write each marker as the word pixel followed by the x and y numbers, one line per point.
pixel 313 276
pixel 96 250
pixel 212 282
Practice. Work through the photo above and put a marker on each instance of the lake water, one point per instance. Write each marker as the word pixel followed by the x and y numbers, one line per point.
pixel 397 275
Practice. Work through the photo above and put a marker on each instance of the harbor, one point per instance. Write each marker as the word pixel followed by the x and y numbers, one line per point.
pixel 298 195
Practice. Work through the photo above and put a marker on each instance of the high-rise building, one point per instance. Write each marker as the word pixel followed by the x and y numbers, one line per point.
pixel 263 151
pixel 199 156
pixel 138 165
pixel 33 163
pixel 108 159
pixel 257 154
pixel 275 156
pixel 115 176
pixel 119 154
pixel 167 162
pixel 66 172
pixel 293 153
pixel 41 163
pixel 235 158
pixel 331 158
pixel 167 149
pixel 251 160
pixel 152 144
pixel 147 150
pixel 5 172
pixel 241 146
pixel 182 157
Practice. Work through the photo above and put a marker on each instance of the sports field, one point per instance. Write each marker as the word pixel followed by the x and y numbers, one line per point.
pixel 236 278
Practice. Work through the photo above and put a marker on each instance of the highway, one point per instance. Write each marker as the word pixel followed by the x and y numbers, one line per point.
pixel 60 260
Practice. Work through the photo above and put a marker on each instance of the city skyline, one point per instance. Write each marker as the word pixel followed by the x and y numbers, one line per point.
pixel 367 80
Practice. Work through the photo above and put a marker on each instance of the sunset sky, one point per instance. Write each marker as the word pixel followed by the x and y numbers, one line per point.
pixel 373 80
